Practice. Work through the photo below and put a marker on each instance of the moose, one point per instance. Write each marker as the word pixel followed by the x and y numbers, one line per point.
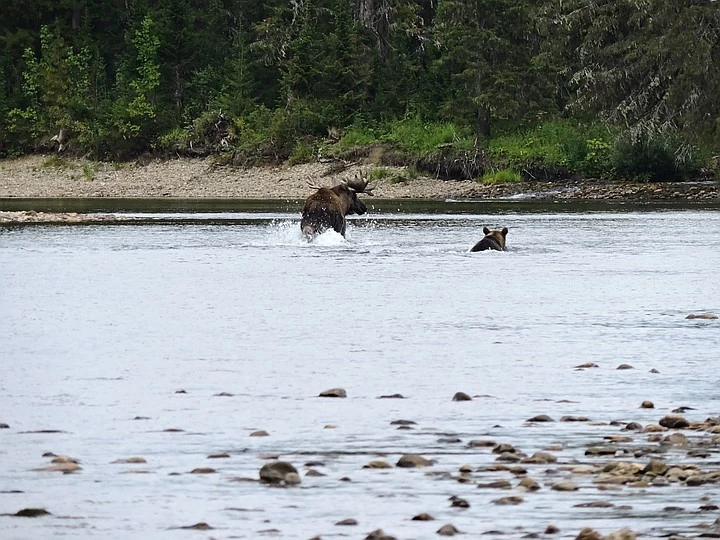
pixel 327 207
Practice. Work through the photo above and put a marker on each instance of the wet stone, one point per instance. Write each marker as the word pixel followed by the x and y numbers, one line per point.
pixel 622 534
pixel 528 484
pixel 314 472
pixel 647 405
pixel 379 534
pixel 347 522
pixel 202 526
pixel 31 512
pixel 403 423
pixel 131 460
pixel 497 484
pixel 3 425
pixel 458 502
pixel 334 393
pixel 676 439
pixel 541 457
pixel 624 366
pixel 479 443
pixel 511 501
pixel 392 396
pixel 601 451
pixel 674 422
pixel 448 530
pixel 565 486
pixel 574 419
pixel 505 448
pixel 461 396
pixel 633 426
pixel 587 365
pixel 589 534
pixel 203 470
pixel 449 440
pixel 224 394
pixel 551 529
pixel 279 472
pixel 423 517
pixel 65 468
pixel 594 504
pixel 703 316
pixel 413 460
pixel 222 455
pixel 64 459
pixel 541 418
pixel 377 464
pixel 260 433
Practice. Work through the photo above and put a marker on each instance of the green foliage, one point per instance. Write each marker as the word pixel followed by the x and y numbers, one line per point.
pixel 649 66
pixel 649 161
pixel 419 81
pixel 57 162
pixel 89 172
pixel 502 176
pixel 416 137
pixel 566 145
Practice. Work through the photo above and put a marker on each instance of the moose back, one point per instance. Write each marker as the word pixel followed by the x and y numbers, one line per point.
pixel 327 207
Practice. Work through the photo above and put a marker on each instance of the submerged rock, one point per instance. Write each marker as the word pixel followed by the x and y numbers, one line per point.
pixel 706 316
pixel 32 512
pixel 673 421
pixel 334 393
pixel 279 473
pixel 413 460
pixel 448 530
pixel 202 526
pixel 461 396
pixel 379 534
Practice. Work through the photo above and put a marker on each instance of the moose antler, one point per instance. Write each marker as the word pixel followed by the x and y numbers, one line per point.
pixel 313 186
pixel 360 183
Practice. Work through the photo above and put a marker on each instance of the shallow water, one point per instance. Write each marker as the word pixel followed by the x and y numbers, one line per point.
pixel 103 325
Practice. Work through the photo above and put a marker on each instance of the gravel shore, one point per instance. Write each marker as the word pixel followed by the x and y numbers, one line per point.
pixel 39 176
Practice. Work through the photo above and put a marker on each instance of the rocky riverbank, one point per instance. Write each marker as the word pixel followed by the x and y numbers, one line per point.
pixel 52 177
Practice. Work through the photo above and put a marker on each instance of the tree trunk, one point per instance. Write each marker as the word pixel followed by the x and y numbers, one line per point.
pixel 482 124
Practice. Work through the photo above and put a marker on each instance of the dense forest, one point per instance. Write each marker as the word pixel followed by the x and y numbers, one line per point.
pixel 628 88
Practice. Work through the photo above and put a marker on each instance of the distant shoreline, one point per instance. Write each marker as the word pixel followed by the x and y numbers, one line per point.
pixel 43 177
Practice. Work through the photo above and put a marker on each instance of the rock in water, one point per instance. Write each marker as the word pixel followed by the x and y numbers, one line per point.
pixel 279 473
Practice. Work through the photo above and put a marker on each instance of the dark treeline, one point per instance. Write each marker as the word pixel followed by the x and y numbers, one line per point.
pixel 267 80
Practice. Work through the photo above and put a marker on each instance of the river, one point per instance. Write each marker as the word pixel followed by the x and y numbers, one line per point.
pixel 176 337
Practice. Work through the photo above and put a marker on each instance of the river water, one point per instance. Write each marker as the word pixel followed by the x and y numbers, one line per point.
pixel 176 337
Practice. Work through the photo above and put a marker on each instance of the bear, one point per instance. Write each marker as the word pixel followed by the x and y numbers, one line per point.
pixel 493 240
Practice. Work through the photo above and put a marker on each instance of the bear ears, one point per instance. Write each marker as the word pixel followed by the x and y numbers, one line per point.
pixel 488 231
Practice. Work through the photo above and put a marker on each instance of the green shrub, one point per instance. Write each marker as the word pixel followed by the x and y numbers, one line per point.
pixel 303 152
pixel 560 144
pixel 645 161
pixel 57 162
pixel 503 176
pixel 174 140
